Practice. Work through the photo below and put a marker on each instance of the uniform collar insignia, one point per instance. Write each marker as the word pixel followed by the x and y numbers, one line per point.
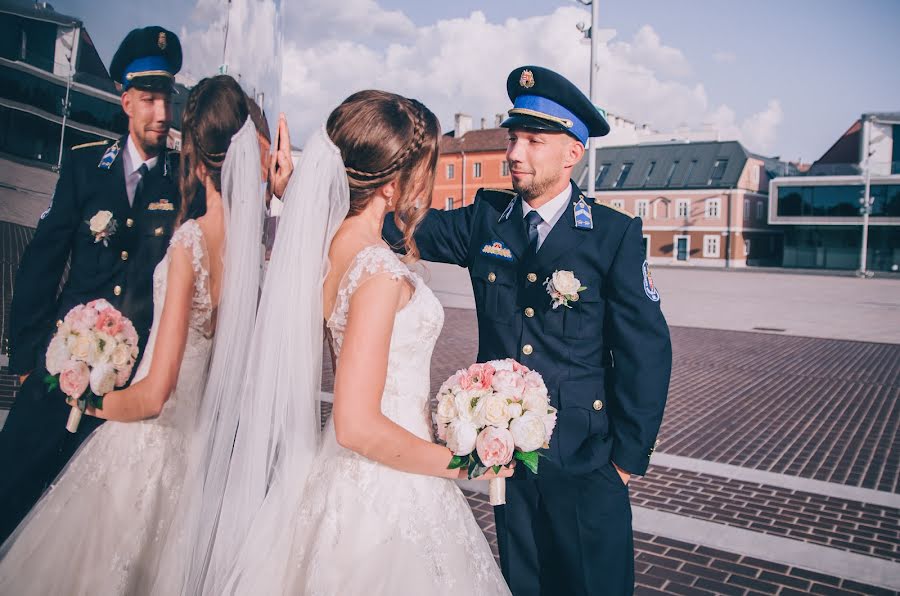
pixel 583 218
pixel 109 157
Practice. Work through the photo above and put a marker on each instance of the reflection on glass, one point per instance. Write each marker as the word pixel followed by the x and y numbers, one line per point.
pixel 252 52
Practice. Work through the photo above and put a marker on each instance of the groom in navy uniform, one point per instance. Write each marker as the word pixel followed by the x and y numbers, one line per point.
pixel 603 350
pixel 111 218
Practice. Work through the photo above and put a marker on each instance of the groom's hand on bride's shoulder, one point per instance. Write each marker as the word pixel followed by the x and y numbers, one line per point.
pixel 281 164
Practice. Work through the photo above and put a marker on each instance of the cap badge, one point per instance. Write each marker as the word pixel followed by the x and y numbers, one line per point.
pixel 526 79
pixel 161 41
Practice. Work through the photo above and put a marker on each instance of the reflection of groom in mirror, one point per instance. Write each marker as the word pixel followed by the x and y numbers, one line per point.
pixel 605 355
pixel 133 179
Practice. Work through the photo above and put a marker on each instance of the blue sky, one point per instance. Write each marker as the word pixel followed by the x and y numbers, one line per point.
pixel 822 63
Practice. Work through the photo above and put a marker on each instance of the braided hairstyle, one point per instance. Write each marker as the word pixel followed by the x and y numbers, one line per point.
pixel 215 111
pixel 384 137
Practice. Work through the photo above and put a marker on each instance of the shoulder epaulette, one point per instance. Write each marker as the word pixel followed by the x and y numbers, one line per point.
pixel 94 144
pixel 608 206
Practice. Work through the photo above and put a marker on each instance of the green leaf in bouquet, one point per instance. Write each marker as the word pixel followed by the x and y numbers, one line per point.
pixel 475 470
pixel 582 288
pixel 82 404
pixel 98 402
pixel 52 382
pixel 529 460
pixel 457 462
pixel 496 469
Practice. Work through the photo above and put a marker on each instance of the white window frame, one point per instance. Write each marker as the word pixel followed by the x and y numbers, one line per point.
pixel 747 209
pixel 687 254
pixel 647 254
pixel 683 205
pixel 642 205
pixel 617 203
pixel 504 168
pixel 711 205
pixel 746 247
pixel 707 253
pixel 760 210
pixel 476 169
pixel 451 171
pixel 448 204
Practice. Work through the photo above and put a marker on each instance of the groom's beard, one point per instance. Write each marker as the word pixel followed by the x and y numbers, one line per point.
pixel 535 187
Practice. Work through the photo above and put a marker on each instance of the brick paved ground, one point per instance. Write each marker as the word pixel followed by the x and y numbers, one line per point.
pixel 665 566
pixel 856 527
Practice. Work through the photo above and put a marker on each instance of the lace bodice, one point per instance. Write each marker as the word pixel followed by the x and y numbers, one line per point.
pixel 185 399
pixel 416 329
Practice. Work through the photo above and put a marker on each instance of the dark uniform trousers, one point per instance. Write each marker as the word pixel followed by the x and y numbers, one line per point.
pixel 34 443
pixel 606 360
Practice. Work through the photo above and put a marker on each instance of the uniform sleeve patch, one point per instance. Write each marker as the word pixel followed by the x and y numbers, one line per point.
pixel 649 288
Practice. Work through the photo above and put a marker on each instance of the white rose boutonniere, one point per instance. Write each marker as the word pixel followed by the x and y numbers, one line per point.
pixel 563 288
pixel 102 226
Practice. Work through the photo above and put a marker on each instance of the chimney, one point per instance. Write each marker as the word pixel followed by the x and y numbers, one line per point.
pixel 463 125
pixel 498 120
pixel 483 123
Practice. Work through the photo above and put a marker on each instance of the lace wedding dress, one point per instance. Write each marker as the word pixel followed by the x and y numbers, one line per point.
pixel 100 527
pixel 362 528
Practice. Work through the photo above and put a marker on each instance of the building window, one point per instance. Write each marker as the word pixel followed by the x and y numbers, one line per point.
pixel 649 173
pixel 690 170
pixel 682 248
pixel 712 208
pixel 504 168
pixel 718 171
pixel 604 168
pixel 646 247
pixel 711 246
pixel 476 169
pixel 451 171
pixel 683 208
pixel 618 203
pixel 746 208
pixel 760 210
pixel 640 209
pixel 449 204
pixel 671 173
pixel 746 248
pixel 623 175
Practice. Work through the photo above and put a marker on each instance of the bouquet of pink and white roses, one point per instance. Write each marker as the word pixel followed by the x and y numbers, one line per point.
pixel 93 352
pixel 491 413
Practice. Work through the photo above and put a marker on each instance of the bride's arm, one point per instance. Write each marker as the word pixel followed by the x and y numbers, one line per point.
pixel 359 383
pixel 146 398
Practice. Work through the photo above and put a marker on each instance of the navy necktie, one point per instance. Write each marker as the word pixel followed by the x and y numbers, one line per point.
pixel 140 185
pixel 533 219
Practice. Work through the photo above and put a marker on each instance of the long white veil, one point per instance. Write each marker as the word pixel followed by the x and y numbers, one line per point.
pixel 209 446
pixel 278 398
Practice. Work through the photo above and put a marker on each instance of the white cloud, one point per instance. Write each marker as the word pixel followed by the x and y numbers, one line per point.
pixel 461 65
pixel 647 49
pixel 724 57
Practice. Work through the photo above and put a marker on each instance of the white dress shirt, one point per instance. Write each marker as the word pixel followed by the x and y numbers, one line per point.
pixel 132 164
pixel 550 213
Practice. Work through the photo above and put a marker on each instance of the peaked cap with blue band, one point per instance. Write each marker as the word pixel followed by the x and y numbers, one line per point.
pixel 545 100
pixel 147 58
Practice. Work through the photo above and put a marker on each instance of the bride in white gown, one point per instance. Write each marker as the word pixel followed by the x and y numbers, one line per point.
pixel 101 526
pixel 371 508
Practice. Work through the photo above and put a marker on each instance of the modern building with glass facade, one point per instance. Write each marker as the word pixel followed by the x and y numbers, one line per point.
pixel 822 212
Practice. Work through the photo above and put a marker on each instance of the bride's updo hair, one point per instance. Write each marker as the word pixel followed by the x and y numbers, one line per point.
pixel 385 137
pixel 215 111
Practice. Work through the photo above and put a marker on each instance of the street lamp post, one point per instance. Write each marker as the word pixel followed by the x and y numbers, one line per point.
pixel 866 200
pixel 592 33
